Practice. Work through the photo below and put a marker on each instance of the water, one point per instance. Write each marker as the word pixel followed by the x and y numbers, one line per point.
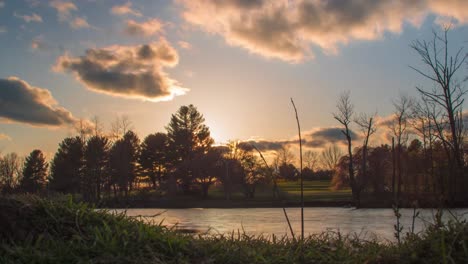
pixel 367 223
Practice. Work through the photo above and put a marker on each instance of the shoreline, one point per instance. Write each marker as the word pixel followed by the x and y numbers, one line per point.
pixel 222 204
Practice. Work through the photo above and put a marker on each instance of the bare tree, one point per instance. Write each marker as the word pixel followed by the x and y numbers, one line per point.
pixel 344 116
pixel 120 126
pixel 330 157
pixel 367 126
pixel 399 129
pixel 423 124
pixel 448 93
pixel 10 171
pixel 284 155
pixel 311 159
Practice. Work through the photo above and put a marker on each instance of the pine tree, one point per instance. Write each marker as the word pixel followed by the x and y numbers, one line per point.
pixel 34 172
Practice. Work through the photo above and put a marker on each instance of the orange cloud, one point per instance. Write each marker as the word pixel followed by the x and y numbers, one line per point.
pixel 288 30
pixel 146 29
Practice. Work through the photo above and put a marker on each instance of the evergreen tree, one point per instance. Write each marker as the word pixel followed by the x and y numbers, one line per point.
pixel 153 158
pixel 96 156
pixel 188 137
pixel 123 162
pixel 34 172
pixel 67 166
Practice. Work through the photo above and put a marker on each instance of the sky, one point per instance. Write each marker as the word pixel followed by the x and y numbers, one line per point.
pixel 238 61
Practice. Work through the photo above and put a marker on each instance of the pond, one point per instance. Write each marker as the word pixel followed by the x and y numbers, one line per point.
pixel 366 223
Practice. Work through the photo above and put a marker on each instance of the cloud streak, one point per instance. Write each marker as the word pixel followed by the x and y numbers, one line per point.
pixel 29 18
pixel 23 103
pixel 63 8
pixel 144 29
pixel 125 9
pixel 290 30
pixel 126 71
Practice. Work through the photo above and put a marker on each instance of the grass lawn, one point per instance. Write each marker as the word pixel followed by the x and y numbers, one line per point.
pixel 313 191
pixel 318 190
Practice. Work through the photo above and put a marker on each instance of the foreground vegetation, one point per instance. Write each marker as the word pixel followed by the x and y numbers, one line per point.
pixel 34 230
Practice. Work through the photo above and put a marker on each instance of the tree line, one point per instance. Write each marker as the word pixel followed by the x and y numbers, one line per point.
pixel 426 159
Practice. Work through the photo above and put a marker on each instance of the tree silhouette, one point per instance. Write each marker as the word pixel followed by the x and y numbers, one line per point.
pixel 96 156
pixel 34 172
pixel 67 166
pixel 448 95
pixel 123 162
pixel 344 116
pixel 188 136
pixel 10 172
pixel 153 157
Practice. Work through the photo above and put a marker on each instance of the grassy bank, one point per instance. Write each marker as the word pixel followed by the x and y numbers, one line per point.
pixel 34 230
pixel 316 194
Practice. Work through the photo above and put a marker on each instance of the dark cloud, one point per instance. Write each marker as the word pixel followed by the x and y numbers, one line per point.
pixel 287 29
pixel 322 137
pixel 265 145
pixel 21 102
pixel 126 71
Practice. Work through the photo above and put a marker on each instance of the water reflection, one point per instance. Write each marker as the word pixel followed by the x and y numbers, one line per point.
pixel 367 223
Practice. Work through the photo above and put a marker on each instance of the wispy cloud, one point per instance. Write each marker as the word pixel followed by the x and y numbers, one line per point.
pixel 126 71
pixel 2 4
pixel 29 18
pixel 184 45
pixel 79 22
pixel 64 8
pixel 147 28
pixel 290 30
pixel 125 9
pixel 3 29
pixel 36 106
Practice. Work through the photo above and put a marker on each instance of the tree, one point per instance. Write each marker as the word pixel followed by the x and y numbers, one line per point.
pixel 311 159
pixel 399 127
pixel 367 127
pixel 330 157
pixel 448 94
pixel 288 171
pixel 207 168
pixel 188 136
pixel 67 166
pixel 96 157
pixel 153 157
pixel 344 116
pixel 123 163
pixel 34 172
pixel 10 172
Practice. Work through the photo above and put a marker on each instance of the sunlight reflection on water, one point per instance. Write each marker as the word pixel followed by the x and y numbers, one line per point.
pixel 367 223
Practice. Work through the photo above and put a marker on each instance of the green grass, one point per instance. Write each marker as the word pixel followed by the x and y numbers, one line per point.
pixel 313 191
pixel 290 191
pixel 34 230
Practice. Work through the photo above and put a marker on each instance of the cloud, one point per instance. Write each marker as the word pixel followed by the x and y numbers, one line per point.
pixel 38 43
pixel 4 137
pixel 79 22
pixel 184 45
pixel 23 103
pixel 126 71
pixel 290 30
pixel 3 30
pixel 321 137
pixel 2 4
pixel 32 18
pixel 63 8
pixel 125 9
pixel 267 145
pixel 145 29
